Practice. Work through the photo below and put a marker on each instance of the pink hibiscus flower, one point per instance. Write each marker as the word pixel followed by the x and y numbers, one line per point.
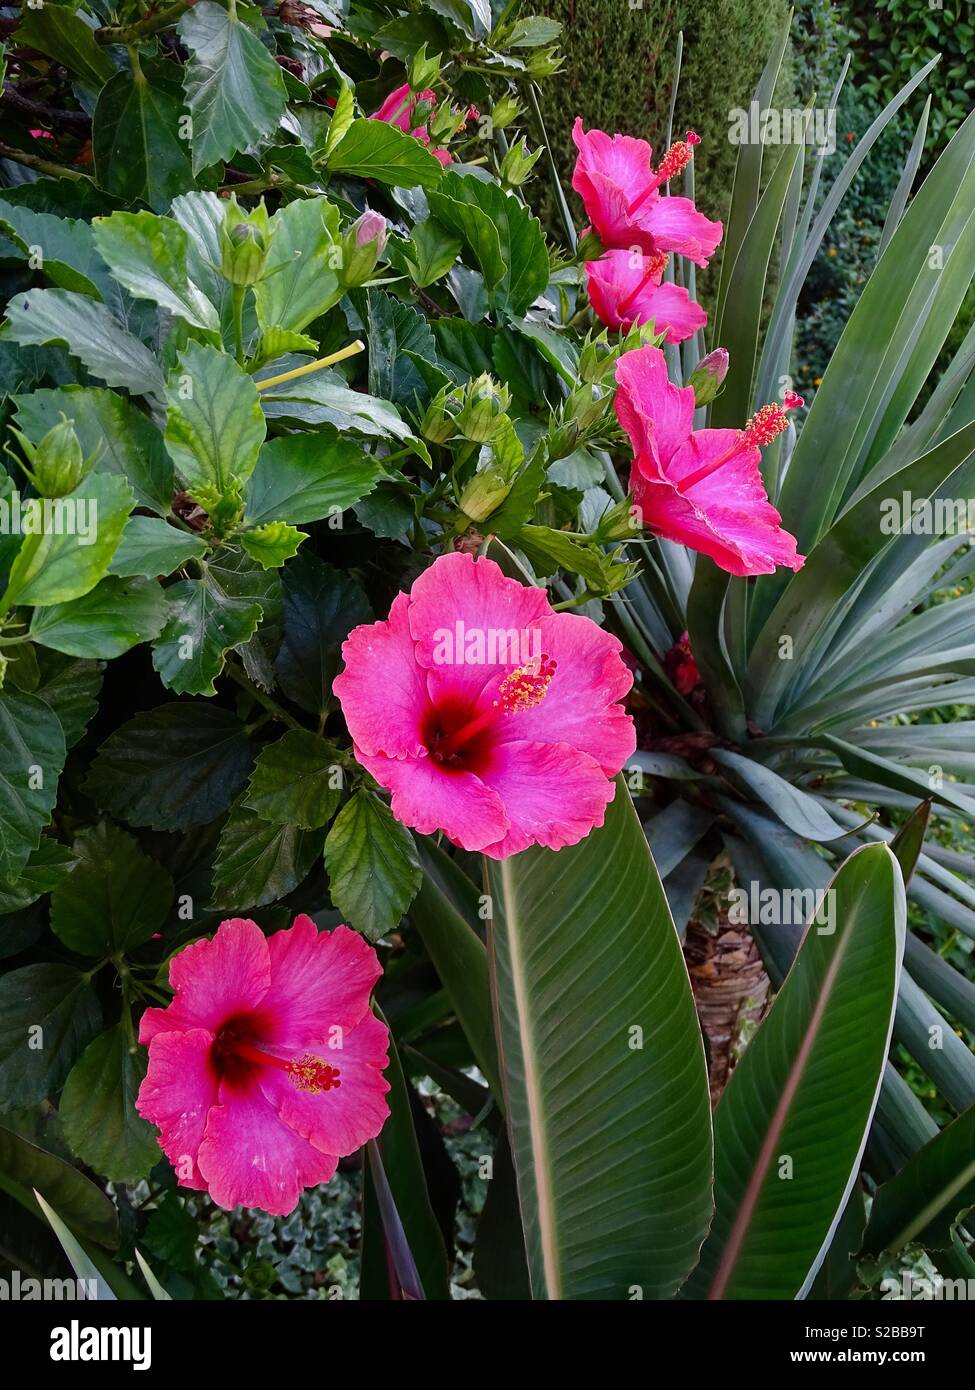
pixel 627 287
pixel 615 177
pixel 486 714
pixel 267 1066
pixel 399 110
pixel 702 488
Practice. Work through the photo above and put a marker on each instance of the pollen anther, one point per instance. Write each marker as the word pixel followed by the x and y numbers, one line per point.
pixel 313 1074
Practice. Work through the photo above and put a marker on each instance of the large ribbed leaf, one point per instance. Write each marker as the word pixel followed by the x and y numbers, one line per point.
pixel 791 1126
pixel 603 1067
pixel 924 1199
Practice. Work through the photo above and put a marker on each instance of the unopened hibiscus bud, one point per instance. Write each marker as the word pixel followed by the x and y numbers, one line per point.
pixel 504 112
pixel 446 123
pixel 483 410
pixel 438 423
pixel 424 70
pixel 245 240
pixel 620 523
pixel 56 465
pixel 497 468
pixel 517 164
pixel 708 375
pixel 543 62
pixel 424 107
pixel 589 247
pixel 596 359
pixel 587 407
pixel 562 440
pixel 362 246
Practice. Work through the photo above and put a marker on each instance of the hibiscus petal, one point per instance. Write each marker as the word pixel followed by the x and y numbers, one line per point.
pixel 176 1095
pixel 214 980
pixel 251 1158
pixel 319 981
pixel 580 706
pixel 475 594
pixel 429 796
pixel 657 415
pixel 382 690
pixel 553 795
pixel 623 292
pixel 676 225
pixel 339 1121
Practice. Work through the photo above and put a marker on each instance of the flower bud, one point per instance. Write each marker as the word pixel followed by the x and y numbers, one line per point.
pixel 362 246
pixel 438 425
pixel 517 164
pixel 707 376
pixel 620 523
pixel 505 111
pixel 597 359
pixel 56 465
pixel 543 62
pixel 245 240
pixel 446 123
pixel 498 466
pixel 586 407
pixel 483 409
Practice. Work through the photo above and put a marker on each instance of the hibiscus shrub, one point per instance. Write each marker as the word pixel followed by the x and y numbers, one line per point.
pixel 382 584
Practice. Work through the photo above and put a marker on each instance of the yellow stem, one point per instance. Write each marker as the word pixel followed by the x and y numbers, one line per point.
pixel 350 351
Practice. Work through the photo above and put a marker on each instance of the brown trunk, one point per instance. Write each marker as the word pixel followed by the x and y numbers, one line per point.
pixel 731 991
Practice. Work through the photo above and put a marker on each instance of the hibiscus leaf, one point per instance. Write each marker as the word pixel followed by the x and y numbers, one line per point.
pixel 272 543
pixel 214 424
pixel 32 753
pixel 44 870
pixel 375 150
pixel 150 547
pixel 373 867
pixel 147 254
pixel 98 1112
pixel 139 155
pixel 506 240
pixel 205 623
pixel 296 781
pixel 90 1212
pixel 58 564
pixel 235 90
pixel 64 36
pixel 90 332
pixel 174 767
pixel 591 984
pixel 321 607
pixel 303 478
pixel 259 862
pixel 69 688
pixel 114 616
pixel 300 280
pixel 114 899
pixel 50 1004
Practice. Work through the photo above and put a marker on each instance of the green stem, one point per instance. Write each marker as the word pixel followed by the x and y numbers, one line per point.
pixel 43 166
pixel 237 302
pixel 256 693
pixel 564 212
pixel 130 33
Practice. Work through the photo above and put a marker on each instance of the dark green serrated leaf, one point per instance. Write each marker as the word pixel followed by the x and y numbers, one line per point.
pixel 375 150
pixel 98 1109
pixel 321 607
pixel 32 753
pixel 296 781
pixel 114 899
pixel 373 866
pixel 48 1015
pixel 114 616
pixel 173 767
pixel 138 153
pixel 258 862
pixel 306 477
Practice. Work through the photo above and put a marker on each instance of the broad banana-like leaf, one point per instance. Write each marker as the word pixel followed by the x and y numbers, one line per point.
pixel 922 1202
pixel 603 1067
pixel 792 1124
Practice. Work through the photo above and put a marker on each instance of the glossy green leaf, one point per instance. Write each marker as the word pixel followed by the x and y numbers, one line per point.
pixel 147 254
pixel 258 862
pixel 300 278
pixel 296 781
pixel 235 91
pixel 114 899
pixel 84 1205
pixel 921 1202
pixel 32 753
pixel 48 1015
pixel 108 620
pixel 172 768
pixel 139 155
pixel 321 607
pixel 214 425
pixel 373 867
pixel 791 1125
pixel 506 241
pixel 90 332
pixel 603 1067
pixel 150 547
pixel 375 150
pixel 302 478
pixel 98 1108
